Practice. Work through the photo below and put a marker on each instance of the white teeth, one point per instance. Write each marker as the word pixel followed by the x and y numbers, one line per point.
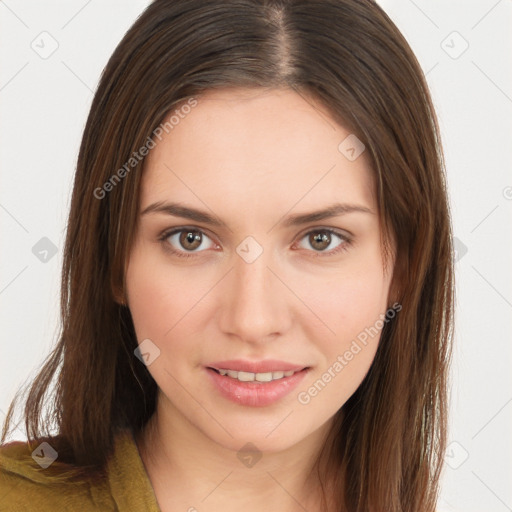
pixel 259 377
pixel 262 377
pixel 245 376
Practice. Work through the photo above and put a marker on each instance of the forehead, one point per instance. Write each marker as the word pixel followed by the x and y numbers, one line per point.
pixel 248 147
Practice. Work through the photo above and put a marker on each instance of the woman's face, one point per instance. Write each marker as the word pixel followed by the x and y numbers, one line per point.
pixel 258 250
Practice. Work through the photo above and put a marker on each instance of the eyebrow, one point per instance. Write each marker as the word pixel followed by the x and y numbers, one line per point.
pixel 178 210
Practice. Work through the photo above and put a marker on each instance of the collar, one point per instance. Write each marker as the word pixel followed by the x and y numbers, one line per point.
pixel 129 483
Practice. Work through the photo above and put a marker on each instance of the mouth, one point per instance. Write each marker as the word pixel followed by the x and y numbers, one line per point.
pixel 255 384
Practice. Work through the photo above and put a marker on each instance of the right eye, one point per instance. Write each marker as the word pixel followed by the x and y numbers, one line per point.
pixel 185 242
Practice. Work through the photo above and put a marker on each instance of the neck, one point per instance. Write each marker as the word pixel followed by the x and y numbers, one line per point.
pixel 191 472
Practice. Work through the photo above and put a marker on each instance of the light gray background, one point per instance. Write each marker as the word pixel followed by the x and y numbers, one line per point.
pixel 44 103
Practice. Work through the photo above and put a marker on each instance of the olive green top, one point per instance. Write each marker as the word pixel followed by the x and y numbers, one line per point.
pixel 24 486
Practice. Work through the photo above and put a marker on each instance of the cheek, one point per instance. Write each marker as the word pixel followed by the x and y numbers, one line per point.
pixel 153 300
pixel 351 303
pixel 350 300
pixel 160 304
pixel 159 292
pixel 353 312
pixel 167 306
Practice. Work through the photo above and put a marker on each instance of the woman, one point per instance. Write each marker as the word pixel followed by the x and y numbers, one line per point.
pixel 257 285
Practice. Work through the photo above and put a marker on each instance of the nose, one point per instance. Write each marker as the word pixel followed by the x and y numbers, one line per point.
pixel 256 306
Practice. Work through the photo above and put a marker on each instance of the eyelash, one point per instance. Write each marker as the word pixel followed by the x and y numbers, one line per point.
pixel 342 247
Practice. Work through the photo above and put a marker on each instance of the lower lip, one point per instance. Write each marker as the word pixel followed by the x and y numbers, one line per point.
pixel 255 394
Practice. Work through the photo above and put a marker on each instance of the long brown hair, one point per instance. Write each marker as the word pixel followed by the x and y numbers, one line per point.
pixel 386 447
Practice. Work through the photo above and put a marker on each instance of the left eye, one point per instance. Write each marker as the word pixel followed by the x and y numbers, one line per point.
pixel 323 240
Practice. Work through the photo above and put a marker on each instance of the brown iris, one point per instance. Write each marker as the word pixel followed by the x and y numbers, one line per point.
pixel 190 239
pixel 320 240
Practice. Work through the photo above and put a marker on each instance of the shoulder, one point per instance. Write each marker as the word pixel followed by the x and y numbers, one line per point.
pixel 32 478
pixel 27 485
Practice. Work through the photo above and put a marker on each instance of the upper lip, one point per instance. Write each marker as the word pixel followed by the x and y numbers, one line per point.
pixel 264 366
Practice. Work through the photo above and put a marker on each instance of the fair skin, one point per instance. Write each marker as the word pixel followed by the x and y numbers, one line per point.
pixel 252 159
